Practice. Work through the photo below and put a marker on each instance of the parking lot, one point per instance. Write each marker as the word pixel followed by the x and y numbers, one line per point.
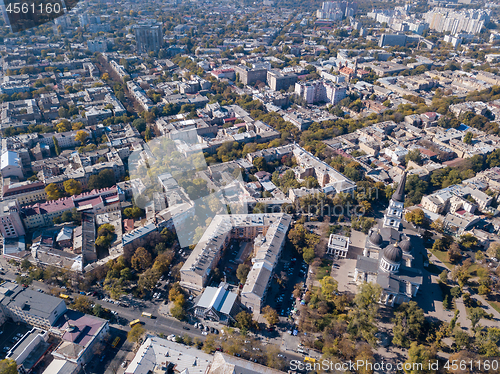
pixel 11 334
pixel 290 271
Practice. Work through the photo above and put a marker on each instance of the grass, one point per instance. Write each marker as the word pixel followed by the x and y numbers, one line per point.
pixel 324 269
pixel 443 257
pixel 495 305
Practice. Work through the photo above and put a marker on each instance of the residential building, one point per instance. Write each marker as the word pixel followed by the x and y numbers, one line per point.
pixel 148 36
pixel 31 307
pixel 279 81
pixel 11 225
pixel 157 355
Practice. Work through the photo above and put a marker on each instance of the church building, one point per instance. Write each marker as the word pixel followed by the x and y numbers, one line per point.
pixel 388 257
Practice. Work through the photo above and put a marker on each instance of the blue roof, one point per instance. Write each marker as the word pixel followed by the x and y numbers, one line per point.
pixel 463 127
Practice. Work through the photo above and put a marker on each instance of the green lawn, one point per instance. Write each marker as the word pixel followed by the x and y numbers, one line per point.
pixel 495 305
pixel 324 269
pixel 443 257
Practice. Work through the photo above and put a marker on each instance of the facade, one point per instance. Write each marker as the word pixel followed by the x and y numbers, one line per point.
pixel 338 246
pixel 31 307
pixel 251 76
pixel 10 165
pixel 149 37
pixel 11 225
pixel 319 91
pixel 278 81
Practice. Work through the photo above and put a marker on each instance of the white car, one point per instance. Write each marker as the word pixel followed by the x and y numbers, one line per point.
pixel 171 337
pixel 204 333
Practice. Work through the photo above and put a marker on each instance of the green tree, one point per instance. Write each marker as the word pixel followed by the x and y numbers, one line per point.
pixel 57 149
pixel 244 321
pixel 468 137
pixel 72 187
pixel 81 136
pixel 270 315
pixel 419 357
pixel 8 366
pixel 260 163
pixel 328 287
pixel 415 156
pixel 82 304
pixel 408 323
pixel 105 179
pixel 242 272
pixel 135 333
pixel 141 259
pixel 53 192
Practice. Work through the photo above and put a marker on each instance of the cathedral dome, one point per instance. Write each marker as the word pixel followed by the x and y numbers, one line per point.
pixel 376 238
pixel 405 245
pixel 393 254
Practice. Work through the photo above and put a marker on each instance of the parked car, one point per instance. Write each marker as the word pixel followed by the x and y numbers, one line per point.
pixel 204 333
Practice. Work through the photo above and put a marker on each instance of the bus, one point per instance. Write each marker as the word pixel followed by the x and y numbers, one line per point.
pixel 309 359
pixel 115 342
pixel 135 322
pixel 145 314
pixel 64 296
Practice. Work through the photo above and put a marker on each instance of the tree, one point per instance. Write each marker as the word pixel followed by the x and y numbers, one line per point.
pixel 362 317
pixel 273 357
pixel 134 212
pixel 242 272
pixel 135 333
pixel 25 264
pixel 416 216
pixel 454 253
pixel 260 163
pixel 443 277
pixel 53 192
pixel 57 149
pixel 419 359
pixel 105 77
pixel 446 303
pixel 141 259
pixel 105 236
pixel 462 339
pixel 408 323
pixel 105 179
pixel 494 250
pixel 148 279
pixel 468 240
pixel 415 156
pixel 244 321
pixel 82 304
pixel 328 287
pixel 468 137
pixel 81 136
pixel 475 315
pixel 72 187
pixel 270 315
pixel 8 366
pixel 438 225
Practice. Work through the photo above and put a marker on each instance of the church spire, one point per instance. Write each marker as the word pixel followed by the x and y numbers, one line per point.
pixel 399 194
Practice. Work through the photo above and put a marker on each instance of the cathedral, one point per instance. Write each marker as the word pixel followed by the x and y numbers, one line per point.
pixel 388 257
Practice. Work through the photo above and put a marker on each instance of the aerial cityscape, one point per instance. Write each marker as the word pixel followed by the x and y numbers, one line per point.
pixel 250 187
